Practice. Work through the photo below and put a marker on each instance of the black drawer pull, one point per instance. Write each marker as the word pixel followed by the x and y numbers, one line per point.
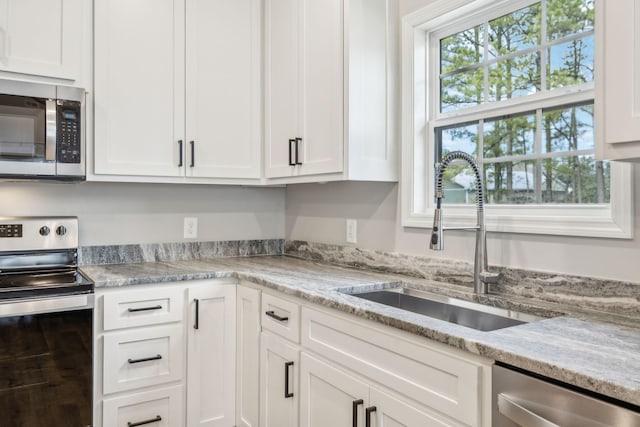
pixel 135 310
pixel 356 403
pixel 287 394
pixel 272 314
pixel 193 153
pixel 196 322
pixel 141 423
pixel 298 142
pixel 291 143
pixel 368 411
pixel 146 359
pixel 180 161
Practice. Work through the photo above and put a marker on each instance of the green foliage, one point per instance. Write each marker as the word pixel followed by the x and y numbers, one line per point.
pixel 518 51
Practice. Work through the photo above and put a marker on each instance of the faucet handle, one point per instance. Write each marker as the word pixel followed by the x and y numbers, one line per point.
pixel 490 278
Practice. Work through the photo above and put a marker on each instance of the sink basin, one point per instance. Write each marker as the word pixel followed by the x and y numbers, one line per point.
pixel 465 313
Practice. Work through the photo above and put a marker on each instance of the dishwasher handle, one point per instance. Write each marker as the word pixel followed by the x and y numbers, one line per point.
pixel 521 415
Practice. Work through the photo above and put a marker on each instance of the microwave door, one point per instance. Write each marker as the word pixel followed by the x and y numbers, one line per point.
pixel 27 136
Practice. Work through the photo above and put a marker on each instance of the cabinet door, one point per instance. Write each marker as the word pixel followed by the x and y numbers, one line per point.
pixel 322 87
pixel 223 88
pixel 248 357
pixel 279 363
pixel 328 395
pixel 282 77
pixel 41 37
pixel 618 78
pixel 211 355
pixel 139 87
pixel 393 412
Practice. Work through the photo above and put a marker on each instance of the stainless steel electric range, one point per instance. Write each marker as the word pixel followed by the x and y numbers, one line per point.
pixel 46 325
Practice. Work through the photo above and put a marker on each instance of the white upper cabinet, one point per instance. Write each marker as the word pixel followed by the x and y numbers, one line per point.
pixel 618 79
pixel 139 90
pixel 223 88
pixel 328 83
pixel 41 37
pixel 177 89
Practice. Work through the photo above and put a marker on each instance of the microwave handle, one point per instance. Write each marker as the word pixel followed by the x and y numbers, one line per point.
pixel 51 130
pixel 521 415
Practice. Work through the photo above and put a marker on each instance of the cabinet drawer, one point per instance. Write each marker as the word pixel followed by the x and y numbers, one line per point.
pixel 141 307
pixel 436 377
pixel 141 358
pixel 281 317
pixel 158 408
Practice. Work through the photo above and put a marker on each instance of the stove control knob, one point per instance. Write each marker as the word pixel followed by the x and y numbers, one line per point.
pixel 61 230
pixel 44 231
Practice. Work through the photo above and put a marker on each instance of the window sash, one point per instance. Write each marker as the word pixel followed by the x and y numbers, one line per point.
pixel 613 220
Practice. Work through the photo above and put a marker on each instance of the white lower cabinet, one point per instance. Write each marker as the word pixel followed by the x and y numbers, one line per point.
pixel 248 357
pixel 329 396
pixel 211 373
pixel 157 408
pixel 279 381
pixel 165 355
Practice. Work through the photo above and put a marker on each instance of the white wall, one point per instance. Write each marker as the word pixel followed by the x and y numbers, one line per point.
pixel 318 212
pixel 111 213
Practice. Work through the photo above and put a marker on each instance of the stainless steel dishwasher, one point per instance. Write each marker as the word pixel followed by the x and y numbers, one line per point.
pixel 522 400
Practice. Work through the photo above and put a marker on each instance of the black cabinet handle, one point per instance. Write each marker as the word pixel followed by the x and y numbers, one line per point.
pixel 141 423
pixel 193 153
pixel 196 323
pixel 272 314
pixel 298 142
pixel 180 160
pixel 291 144
pixel 135 310
pixel 368 411
pixel 286 380
pixel 356 403
pixel 146 359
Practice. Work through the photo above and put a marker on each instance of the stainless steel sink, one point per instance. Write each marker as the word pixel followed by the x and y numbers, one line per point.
pixel 465 313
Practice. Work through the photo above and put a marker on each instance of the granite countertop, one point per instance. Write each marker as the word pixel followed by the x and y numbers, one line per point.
pixel 577 347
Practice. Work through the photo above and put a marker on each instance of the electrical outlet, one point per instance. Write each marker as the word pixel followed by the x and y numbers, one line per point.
pixel 352 231
pixel 190 228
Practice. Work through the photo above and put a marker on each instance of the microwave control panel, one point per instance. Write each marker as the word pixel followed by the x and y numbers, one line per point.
pixel 69 132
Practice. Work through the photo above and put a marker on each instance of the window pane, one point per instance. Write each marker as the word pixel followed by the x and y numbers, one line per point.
pixel 510 182
pixel 568 17
pixel 516 31
pixel 459 138
pixel 509 136
pixel 568 129
pixel 570 63
pixel 513 78
pixel 462 49
pixel 461 90
pixel 575 179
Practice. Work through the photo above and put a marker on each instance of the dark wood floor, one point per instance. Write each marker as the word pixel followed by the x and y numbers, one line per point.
pixel 45 370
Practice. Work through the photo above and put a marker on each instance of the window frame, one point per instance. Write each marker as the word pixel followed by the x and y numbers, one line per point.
pixel 613 220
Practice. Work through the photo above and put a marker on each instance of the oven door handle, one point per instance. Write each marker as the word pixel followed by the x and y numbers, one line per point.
pixel 46 305
pixel 519 414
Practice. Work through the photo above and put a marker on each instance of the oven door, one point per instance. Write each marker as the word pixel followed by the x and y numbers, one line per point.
pixel 27 135
pixel 46 362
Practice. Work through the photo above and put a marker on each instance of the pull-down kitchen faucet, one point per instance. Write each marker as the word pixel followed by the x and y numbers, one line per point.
pixel 481 275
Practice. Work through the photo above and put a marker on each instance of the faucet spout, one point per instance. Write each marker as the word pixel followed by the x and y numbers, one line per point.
pixel 481 275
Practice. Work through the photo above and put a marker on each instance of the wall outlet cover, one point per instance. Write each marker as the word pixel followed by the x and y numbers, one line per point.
pixel 352 232
pixel 190 228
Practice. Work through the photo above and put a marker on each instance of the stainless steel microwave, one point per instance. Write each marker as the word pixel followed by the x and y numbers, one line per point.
pixel 41 131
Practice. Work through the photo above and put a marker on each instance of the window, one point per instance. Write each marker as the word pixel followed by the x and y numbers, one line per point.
pixel 512 84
